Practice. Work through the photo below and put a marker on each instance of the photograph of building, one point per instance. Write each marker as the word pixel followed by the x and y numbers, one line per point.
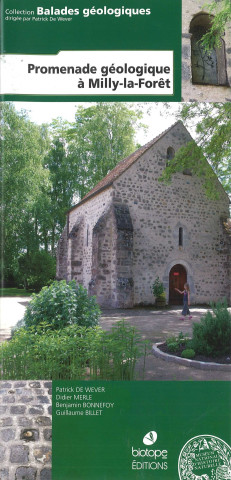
pixel 206 75
pixel 131 228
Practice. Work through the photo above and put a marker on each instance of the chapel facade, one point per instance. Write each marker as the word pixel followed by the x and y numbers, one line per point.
pixel 132 228
pixel 206 76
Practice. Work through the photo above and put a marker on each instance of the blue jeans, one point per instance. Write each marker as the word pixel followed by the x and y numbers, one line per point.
pixel 185 310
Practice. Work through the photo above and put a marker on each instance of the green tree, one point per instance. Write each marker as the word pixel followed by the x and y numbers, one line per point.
pixel 48 168
pixel 213 127
pixel 103 134
pixel 222 15
pixel 36 270
pixel 64 183
pixel 23 177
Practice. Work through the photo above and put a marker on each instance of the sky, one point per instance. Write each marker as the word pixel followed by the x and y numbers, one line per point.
pixel 158 119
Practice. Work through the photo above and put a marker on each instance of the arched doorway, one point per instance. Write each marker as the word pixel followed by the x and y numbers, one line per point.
pixel 177 279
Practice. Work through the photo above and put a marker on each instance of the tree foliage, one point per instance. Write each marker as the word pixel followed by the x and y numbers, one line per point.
pixel 48 168
pixel 23 179
pixel 35 270
pixel 222 15
pixel 63 177
pixel 213 128
pixel 60 305
pixel 102 135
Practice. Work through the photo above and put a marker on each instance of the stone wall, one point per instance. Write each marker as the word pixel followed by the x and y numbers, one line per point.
pixel 112 258
pixel 25 434
pixel 201 93
pixel 103 277
pixel 158 211
pixel 75 248
pixel 124 257
pixel 90 211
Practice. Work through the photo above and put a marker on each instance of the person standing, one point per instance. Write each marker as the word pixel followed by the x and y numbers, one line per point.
pixel 186 300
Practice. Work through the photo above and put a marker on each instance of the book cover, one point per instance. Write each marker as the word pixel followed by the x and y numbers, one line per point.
pixel 101 379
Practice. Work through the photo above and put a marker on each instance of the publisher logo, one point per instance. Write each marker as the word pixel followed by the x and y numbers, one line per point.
pixel 149 458
pixel 150 438
pixel 205 457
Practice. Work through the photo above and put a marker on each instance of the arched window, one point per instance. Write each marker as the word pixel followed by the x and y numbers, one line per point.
pixel 208 68
pixel 170 154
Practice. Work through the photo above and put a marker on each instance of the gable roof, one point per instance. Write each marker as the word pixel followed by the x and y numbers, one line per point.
pixel 123 165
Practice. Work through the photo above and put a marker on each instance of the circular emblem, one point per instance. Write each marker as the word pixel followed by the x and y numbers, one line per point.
pixel 150 438
pixel 205 457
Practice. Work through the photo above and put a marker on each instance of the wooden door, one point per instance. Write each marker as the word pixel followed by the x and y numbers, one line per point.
pixel 177 279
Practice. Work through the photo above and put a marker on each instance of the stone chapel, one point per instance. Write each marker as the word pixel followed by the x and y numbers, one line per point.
pixel 131 228
pixel 206 77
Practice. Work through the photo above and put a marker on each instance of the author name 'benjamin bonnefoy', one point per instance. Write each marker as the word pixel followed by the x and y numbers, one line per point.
pixel 86 12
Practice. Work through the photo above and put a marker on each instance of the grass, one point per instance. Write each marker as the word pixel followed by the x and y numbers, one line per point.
pixel 15 292
pixel 74 352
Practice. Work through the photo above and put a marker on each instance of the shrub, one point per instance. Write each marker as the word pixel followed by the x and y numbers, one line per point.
pixel 60 305
pixel 171 339
pixel 75 352
pixel 158 288
pixel 188 353
pixel 212 336
pixel 162 296
pixel 36 270
pixel 173 346
pixel 175 343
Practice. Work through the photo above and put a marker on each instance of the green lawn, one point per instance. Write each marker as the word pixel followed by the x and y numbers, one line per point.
pixel 15 292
